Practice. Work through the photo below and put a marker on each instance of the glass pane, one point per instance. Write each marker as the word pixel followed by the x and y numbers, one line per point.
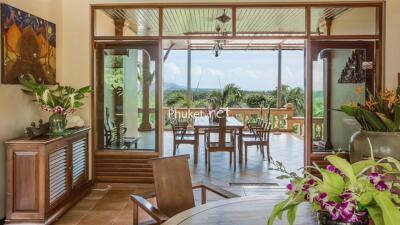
pixel 270 21
pixel 197 21
pixel 292 90
pixel 129 99
pixel 255 72
pixel 338 78
pixel 126 22
pixel 343 21
pixel 175 79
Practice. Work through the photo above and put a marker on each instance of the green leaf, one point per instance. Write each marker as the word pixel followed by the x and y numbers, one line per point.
pixel 332 183
pixel 349 110
pixel 291 214
pixel 359 166
pixel 394 161
pixel 397 115
pixel 366 198
pixel 283 177
pixel 343 166
pixel 391 215
pixel 390 125
pixel 276 210
pixel 373 120
pixel 376 214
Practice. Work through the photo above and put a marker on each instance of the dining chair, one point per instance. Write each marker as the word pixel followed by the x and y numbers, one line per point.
pixel 261 140
pixel 181 134
pixel 222 144
pixel 173 190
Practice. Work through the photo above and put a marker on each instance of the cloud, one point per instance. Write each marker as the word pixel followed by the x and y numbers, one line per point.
pixel 172 68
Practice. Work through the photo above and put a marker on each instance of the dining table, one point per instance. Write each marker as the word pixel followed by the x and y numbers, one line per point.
pixel 204 123
pixel 251 210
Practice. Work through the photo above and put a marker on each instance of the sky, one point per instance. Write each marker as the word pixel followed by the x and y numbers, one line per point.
pixel 251 70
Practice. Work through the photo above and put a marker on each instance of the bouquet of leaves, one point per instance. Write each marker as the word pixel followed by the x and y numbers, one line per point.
pixel 61 99
pixel 348 193
pixel 379 113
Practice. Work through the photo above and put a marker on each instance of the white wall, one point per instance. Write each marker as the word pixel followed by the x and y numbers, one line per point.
pixel 17 110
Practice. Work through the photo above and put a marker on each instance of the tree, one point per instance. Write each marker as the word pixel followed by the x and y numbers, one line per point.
pixel 177 99
pixel 294 96
pixel 229 96
pixel 255 100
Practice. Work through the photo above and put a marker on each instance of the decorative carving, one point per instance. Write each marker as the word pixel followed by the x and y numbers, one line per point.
pixel 34 131
pixel 353 72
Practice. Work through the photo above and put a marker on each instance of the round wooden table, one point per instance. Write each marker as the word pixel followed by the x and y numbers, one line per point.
pixel 252 210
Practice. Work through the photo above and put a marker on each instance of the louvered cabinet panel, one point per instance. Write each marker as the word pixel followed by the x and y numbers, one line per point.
pixel 79 158
pixel 58 178
pixel 45 177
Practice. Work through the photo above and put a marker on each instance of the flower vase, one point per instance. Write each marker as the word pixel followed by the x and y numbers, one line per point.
pixel 57 123
pixel 324 218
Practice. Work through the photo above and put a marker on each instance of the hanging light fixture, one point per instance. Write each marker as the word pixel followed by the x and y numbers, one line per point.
pixel 221 31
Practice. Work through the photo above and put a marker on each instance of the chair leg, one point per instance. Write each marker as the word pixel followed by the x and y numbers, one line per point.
pixel 174 151
pixel 209 161
pixel 135 214
pixel 268 153
pixel 205 156
pixel 262 151
pixel 230 158
pixel 245 153
pixel 234 160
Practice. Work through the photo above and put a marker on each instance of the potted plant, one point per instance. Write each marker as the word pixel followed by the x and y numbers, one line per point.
pixel 60 100
pixel 346 194
pixel 379 119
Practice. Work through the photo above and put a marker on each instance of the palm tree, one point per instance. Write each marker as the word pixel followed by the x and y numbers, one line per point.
pixel 177 99
pixel 294 96
pixel 229 96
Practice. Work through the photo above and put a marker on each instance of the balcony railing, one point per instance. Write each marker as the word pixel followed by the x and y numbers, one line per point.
pixel 282 119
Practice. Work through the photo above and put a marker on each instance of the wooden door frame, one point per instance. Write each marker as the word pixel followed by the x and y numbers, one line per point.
pixel 98 106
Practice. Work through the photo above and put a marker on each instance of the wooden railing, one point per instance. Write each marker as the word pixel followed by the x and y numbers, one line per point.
pixel 282 119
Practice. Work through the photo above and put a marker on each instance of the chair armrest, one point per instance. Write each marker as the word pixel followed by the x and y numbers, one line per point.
pixel 150 209
pixel 215 189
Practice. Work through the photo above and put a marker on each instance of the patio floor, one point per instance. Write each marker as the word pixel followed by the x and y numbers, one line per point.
pixel 105 205
pixel 285 147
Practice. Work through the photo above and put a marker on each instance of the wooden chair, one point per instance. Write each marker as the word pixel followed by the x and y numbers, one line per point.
pixel 173 190
pixel 108 133
pixel 261 140
pixel 181 134
pixel 222 145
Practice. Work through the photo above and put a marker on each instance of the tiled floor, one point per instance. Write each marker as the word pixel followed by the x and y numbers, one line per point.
pixel 112 206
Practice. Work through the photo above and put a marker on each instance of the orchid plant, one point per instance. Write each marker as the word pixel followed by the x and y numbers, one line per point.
pixel 60 100
pixel 349 193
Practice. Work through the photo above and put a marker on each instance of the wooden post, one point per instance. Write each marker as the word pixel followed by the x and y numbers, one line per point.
pixel 145 125
pixel 189 75
pixel 278 91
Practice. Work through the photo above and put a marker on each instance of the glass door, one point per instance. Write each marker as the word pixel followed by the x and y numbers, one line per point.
pixel 126 96
pixel 342 72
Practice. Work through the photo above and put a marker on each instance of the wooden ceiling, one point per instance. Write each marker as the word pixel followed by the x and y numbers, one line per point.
pixel 255 21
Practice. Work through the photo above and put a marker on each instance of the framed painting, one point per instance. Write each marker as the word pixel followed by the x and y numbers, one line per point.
pixel 28 46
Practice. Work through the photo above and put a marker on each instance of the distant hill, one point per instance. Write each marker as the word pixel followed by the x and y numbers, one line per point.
pixel 173 86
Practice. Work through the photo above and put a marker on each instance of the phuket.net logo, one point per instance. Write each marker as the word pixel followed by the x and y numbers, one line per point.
pixel 189 114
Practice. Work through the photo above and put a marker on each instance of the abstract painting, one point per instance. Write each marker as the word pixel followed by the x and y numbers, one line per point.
pixel 29 46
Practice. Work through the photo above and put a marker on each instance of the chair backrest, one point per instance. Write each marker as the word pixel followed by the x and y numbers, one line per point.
pixel 263 134
pixel 222 129
pixel 179 128
pixel 173 184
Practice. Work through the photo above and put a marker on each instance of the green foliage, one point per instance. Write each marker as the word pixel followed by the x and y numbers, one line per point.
pixel 294 96
pixel 60 96
pixel 255 100
pixel 229 96
pixel 381 204
pixel 177 99
pixel 380 112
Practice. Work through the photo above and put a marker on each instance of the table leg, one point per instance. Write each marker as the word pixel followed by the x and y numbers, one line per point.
pixel 196 145
pixel 240 142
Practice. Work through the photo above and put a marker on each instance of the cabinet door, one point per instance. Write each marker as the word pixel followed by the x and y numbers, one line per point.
pixel 79 163
pixel 58 176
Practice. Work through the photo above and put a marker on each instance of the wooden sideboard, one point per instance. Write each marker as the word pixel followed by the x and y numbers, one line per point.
pixel 45 177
